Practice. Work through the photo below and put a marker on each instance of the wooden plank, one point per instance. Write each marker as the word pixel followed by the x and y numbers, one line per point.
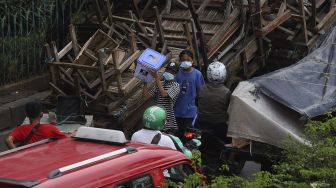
pixel 221 41
pixel 86 82
pixel 52 70
pixel 97 9
pixel 144 10
pixel 89 53
pixel 181 3
pixel 109 12
pixel 223 29
pixel 202 7
pixel 73 39
pixel 130 85
pixel 285 30
pixel 186 19
pixel 119 18
pixel 303 18
pixel 188 36
pixel 168 6
pixel 54 48
pixel 58 90
pixel 75 66
pixel 77 84
pixel 65 73
pixel 129 61
pixel 116 66
pixel 275 23
pixel 313 11
pixel 101 70
pixel 158 25
pixel 326 19
pixel 154 39
pixel 65 50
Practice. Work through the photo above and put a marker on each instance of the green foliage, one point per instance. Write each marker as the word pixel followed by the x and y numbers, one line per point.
pixel 309 164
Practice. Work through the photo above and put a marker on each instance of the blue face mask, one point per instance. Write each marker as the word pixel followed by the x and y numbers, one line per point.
pixel 168 76
pixel 186 64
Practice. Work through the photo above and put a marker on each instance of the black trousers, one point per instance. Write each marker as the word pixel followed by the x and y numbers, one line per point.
pixel 211 148
pixel 182 124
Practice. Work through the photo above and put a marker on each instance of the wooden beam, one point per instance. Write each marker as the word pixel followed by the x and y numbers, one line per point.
pixel 188 36
pixel 116 66
pixel 330 15
pixel 130 85
pixel 158 24
pixel 274 24
pixel 101 69
pixel 187 19
pixel 202 7
pixel 181 3
pixel 58 90
pixel 223 29
pixel 144 10
pixel 110 18
pixel 74 39
pixel 52 70
pixel 303 18
pixel 75 66
pixel 65 50
pixel 313 11
pixel 132 21
pixel 128 61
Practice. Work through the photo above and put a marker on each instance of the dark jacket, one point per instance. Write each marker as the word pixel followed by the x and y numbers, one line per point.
pixel 213 102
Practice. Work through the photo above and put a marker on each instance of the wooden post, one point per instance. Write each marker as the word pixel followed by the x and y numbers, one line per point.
pixel 303 18
pixel 200 36
pixel 118 76
pixel 110 19
pixel 99 13
pixel 313 11
pixel 51 68
pixel 77 84
pixel 74 39
pixel 189 38
pixel 259 38
pixel 101 68
pixel 134 46
pixel 159 28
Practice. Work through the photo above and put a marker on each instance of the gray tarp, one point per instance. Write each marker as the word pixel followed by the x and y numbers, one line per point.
pixel 308 87
pixel 270 107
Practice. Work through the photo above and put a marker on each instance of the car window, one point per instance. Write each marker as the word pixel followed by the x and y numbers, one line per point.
pixel 178 173
pixel 139 182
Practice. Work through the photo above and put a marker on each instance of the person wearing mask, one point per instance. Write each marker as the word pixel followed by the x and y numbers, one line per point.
pixel 213 102
pixel 191 81
pixel 165 93
pixel 33 132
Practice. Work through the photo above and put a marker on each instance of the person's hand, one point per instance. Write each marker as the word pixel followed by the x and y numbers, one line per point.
pixel 154 74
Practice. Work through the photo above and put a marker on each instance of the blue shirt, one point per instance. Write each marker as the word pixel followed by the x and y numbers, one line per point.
pixel 190 84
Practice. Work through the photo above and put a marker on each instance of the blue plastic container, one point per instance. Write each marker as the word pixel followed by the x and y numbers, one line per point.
pixel 152 59
pixel 149 59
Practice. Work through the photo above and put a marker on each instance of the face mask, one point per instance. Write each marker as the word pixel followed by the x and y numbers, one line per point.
pixel 168 76
pixel 186 64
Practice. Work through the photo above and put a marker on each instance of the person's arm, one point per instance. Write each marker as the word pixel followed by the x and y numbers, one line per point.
pixel 145 90
pixel 163 92
pixel 10 142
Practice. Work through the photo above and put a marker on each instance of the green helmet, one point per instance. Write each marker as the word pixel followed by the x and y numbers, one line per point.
pixel 154 117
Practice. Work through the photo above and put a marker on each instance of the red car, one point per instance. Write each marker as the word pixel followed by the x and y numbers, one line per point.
pixel 92 158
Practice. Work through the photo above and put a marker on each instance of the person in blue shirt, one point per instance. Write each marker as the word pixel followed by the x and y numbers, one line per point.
pixel 191 81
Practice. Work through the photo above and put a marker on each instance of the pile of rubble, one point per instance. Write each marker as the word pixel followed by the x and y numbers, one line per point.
pixel 240 34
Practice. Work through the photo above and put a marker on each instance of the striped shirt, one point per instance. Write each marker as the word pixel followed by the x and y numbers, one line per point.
pixel 173 90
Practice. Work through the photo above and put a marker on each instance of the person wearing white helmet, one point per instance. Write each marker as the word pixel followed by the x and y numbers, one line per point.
pixel 213 102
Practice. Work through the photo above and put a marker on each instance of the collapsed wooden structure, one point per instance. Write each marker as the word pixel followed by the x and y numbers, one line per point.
pixel 238 33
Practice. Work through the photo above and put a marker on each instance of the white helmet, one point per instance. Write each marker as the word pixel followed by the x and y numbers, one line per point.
pixel 216 72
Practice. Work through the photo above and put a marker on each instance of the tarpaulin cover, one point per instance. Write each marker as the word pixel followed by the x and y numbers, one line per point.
pixel 309 86
pixel 271 107
pixel 255 116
